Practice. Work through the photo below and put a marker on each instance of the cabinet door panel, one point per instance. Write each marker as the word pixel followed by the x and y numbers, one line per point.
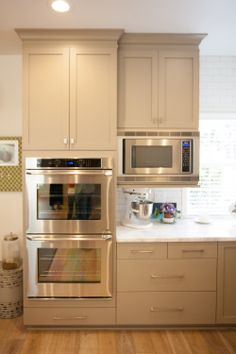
pixel 46 101
pixel 93 98
pixel 137 106
pixel 226 298
pixel 178 87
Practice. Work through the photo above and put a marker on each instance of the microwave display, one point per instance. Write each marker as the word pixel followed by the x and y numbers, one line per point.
pixel 151 156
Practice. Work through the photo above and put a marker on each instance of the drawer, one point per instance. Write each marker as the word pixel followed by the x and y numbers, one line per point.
pixel 68 316
pixel 166 275
pixel 167 308
pixel 192 250
pixel 142 250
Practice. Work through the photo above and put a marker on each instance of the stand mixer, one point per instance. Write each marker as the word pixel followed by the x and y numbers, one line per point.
pixel 138 209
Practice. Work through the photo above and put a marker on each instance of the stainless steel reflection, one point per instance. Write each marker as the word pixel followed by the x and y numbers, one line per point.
pixel 60 280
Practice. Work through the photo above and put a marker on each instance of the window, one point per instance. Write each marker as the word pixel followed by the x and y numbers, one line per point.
pixel 217 167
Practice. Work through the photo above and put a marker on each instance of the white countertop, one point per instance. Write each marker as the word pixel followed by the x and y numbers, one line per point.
pixel 188 230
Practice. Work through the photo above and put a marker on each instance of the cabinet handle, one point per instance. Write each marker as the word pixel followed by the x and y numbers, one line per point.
pixel 65 140
pixel 167 276
pixel 141 251
pixel 166 309
pixel 57 318
pixel 195 250
pixel 72 141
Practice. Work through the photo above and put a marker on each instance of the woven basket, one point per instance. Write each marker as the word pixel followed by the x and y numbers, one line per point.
pixel 11 293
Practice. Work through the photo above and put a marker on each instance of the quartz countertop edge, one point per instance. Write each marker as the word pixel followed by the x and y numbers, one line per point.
pixel 184 230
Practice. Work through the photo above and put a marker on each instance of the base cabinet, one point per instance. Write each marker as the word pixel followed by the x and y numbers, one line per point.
pixel 166 288
pixel 226 292
pixel 166 308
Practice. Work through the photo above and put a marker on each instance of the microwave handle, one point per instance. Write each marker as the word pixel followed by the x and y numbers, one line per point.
pixel 103 237
pixel 66 173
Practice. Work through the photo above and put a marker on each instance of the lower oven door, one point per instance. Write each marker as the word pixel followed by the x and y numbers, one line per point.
pixel 69 266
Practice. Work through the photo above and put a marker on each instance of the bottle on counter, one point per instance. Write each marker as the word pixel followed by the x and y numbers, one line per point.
pixel 11 258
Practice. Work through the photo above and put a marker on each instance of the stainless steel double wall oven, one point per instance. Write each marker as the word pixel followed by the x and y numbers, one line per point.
pixel 69 234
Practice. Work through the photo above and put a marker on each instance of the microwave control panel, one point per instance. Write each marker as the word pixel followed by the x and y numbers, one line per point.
pixel 186 156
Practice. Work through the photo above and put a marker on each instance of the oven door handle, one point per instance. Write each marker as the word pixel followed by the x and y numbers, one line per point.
pixel 103 237
pixel 66 173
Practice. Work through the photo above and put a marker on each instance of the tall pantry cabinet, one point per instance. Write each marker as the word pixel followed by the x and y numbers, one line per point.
pixel 70 89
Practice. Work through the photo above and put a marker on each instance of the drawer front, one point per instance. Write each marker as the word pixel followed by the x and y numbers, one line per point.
pixel 192 250
pixel 166 275
pixel 166 308
pixel 142 250
pixel 68 316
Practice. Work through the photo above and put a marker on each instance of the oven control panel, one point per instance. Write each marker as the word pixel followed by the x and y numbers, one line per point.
pixel 69 163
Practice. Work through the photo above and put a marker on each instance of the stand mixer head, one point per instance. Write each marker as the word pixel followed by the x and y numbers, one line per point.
pixel 138 209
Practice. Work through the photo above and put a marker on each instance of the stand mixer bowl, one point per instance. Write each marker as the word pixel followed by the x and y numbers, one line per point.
pixel 142 209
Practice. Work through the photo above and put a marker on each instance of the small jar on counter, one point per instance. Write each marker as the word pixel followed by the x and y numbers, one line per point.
pixel 11 258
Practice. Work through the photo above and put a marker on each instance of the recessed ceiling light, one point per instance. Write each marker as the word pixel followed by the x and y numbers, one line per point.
pixel 60 5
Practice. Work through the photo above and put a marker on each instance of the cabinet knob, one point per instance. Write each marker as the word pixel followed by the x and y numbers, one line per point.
pixel 72 141
pixel 65 141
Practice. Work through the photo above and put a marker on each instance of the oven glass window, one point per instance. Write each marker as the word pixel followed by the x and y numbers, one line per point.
pixel 68 201
pixel 152 156
pixel 69 265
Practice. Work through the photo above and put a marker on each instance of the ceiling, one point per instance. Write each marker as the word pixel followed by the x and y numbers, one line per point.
pixel 214 17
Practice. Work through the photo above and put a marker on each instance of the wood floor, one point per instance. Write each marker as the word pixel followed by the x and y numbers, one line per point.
pixel 15 339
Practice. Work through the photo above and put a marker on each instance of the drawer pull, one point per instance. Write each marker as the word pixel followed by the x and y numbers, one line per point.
pixel 167 276
pixel 141 251
pixel 57 318
pixel 166 309
pixel 201 250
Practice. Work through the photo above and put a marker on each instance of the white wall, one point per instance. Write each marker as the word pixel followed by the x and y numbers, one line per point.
pixel 10 125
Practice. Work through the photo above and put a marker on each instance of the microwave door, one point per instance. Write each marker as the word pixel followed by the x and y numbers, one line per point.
pixel 152 156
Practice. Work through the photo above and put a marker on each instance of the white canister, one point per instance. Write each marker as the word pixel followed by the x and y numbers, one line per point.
pixel 11 258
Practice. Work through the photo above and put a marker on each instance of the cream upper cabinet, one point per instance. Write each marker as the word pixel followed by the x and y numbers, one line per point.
pixel 158 82
pixel 226 292
pixel 93 101
pixel 46 97
pixel 70 89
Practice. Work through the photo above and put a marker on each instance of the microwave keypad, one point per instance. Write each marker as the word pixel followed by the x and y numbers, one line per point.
pixel 186 156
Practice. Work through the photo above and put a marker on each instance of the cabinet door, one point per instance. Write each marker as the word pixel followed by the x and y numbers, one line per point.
pixel 178 89
pixel 137 89
pixel 46 97
pixel 93 88
pixel 226 291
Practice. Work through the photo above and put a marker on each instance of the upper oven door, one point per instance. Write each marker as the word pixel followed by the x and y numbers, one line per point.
pixel 152 156
pixel 62 201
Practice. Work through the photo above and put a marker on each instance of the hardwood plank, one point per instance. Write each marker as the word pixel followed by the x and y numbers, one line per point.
pixel 124 343
pixel 142 342
pixel 214 342
pixel 107 342
pixel 178 343
pixel 160 342
pixel 16 339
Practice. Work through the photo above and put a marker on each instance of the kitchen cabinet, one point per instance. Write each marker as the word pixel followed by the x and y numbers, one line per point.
pixel 226 288
pixel 70 89
pixel 175 287
pixel 158 82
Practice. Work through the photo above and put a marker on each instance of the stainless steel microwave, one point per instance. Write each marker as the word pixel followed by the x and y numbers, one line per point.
pixel 170 158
